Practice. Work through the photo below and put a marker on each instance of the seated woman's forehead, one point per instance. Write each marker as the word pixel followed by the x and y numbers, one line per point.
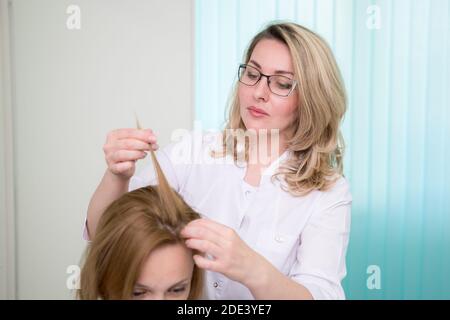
pixel 166 266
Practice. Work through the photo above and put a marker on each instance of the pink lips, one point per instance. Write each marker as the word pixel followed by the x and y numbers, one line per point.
pixel 257 112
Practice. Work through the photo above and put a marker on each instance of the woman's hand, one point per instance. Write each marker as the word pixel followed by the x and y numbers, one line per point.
pixel 231 255
pixel 123 147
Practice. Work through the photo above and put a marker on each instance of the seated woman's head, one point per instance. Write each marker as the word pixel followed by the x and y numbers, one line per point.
pixel 137 251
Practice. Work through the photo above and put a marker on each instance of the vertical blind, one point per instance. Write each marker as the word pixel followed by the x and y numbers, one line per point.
pixel 394 57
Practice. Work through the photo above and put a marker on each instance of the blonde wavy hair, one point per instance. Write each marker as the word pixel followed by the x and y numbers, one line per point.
pixel 317 144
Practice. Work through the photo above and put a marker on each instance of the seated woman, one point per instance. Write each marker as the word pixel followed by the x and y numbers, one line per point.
pixel 137 251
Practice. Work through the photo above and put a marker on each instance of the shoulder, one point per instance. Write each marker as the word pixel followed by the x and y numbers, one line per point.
pixel 339 193
pixel 333 207
pixel 340 186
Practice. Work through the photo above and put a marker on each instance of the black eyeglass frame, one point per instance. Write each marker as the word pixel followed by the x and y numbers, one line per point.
pixel 244 66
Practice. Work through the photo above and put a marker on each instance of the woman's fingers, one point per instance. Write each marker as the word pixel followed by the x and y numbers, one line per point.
pixel 133 144
pixel 204 246
pixel 126 155
pixel 213 226
pixel 122 167
pixel 205 263
pixel 199 232
pixel 129 133
pixel 124 147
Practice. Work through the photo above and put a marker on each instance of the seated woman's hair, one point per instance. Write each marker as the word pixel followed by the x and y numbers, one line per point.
pixel 132 227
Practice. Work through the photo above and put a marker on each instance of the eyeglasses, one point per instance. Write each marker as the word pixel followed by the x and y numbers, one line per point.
pixel 278 84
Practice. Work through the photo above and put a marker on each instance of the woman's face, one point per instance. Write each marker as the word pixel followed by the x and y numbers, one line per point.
pixel 166 274
pixel 270 57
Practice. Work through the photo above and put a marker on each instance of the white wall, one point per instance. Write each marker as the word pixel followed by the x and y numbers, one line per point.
pixel 70 87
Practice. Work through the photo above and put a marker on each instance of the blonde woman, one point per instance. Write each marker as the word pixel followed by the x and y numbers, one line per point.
pixel 276 208
pixel 137 251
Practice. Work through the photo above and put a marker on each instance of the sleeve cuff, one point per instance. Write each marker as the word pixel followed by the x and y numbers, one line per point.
pixel 321 291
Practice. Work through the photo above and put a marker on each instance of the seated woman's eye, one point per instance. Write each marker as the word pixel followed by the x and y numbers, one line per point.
pixel 179 289
pixel 138 293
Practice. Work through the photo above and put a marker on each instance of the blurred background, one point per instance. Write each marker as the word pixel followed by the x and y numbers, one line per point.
pixel 73 70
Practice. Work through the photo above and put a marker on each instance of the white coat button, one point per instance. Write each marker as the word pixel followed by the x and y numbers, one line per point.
pixel 215 284
pixel 279 239
pixel 247 193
